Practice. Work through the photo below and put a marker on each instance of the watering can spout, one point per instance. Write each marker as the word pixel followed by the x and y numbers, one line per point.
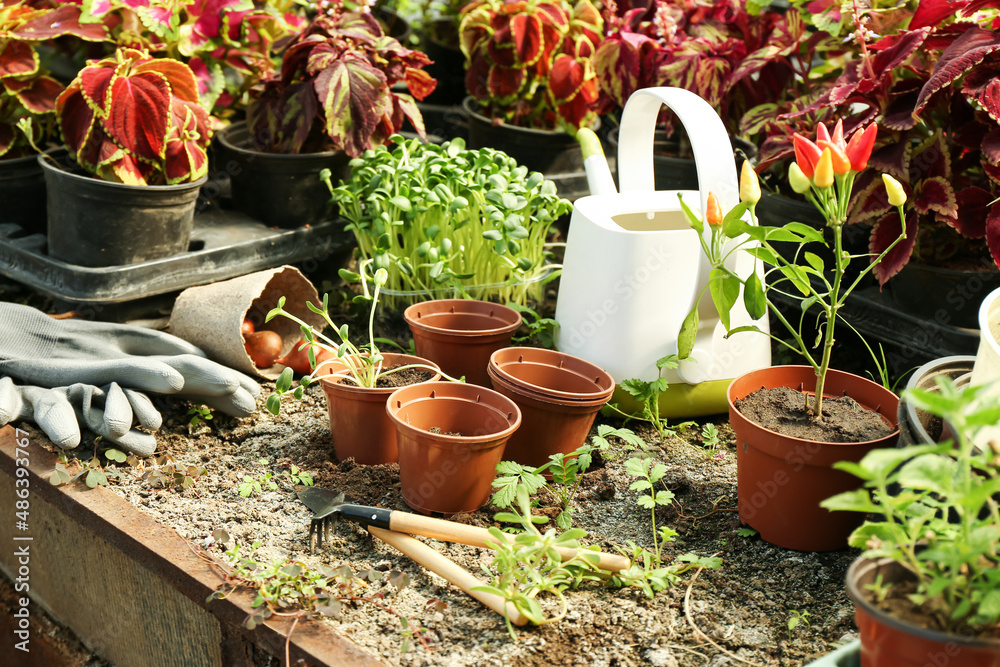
pixel 599 178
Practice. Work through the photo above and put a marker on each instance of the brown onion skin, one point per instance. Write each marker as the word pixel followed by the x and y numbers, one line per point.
pixel 263 347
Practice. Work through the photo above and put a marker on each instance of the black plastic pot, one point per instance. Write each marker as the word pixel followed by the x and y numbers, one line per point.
pixel 279 189
pixel 440 42
pixel 96 223
pixel 946 296
pixel 555 154
pixel 22 191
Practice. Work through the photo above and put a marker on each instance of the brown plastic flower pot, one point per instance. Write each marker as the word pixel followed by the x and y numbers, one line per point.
pixel 887 641
pixel 358 422
pixel 452 469
pixel 781 479
pixel 459 335
pixel 558 402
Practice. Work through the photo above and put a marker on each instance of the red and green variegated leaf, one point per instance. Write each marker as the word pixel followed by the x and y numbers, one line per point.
pixel 63 20
pixel 973 205
pixel 992 172
pixel 477 78
pixel 75 116
pixel 893 159
pixel 211 81
pixel 139 114
pixel 361 27
pixel 126 169
pixel 566 78
pixel 936 194
pixel 978 78
pixel 870 201
pixel 932 12
pixel 185 159
pixel 586 22
pixel 500 49
pixel 886 231
pixel 990 99
pixel 419 83
pixel 38 95
pixel 7 136
pixel 965 52
pixel 178 75
pixel 991 147
pixel 555 15
pixel 407 106
pixel 931 158
pixel 756 119
pixel 289 118
pixel 504 83
pixel 899 112
pixel 354 97
pixel 17 59
pixel 95 85
pixel 526 36
pixel 894 50
pixel 97 149
pixel 93 10
pixel 993 233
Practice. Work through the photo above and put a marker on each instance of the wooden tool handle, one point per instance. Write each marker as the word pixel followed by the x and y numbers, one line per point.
pixel 449 569
pixel 439 529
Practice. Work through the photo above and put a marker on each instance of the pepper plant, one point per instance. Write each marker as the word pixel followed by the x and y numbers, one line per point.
pixel 824 173
pixel 444 218
pixel 937 512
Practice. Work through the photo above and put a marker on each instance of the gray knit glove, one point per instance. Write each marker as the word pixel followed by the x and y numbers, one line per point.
pixel 95 372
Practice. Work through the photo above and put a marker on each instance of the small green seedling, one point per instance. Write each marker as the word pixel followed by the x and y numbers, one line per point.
pixel 797 617
pixel 647 393
pixel 199 413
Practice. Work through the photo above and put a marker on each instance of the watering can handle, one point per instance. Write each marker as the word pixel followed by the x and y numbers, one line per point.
pixel 709 140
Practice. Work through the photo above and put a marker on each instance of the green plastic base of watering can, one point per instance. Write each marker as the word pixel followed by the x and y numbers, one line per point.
pixel 681 400
pixel 848 655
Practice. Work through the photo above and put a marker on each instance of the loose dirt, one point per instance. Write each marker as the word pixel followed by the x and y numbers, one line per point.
pixel 789 412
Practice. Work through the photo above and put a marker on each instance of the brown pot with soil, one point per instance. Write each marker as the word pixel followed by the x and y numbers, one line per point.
pixel 459 335
pixel 450 436
pixel 558 394
pixel 358 421
pixel 887 640
pixel 781 478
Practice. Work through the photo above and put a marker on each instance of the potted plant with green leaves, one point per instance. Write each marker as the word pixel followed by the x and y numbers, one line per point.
pixel 793 422
pixel 356 380
pixel 443 220
pixel 334 98
pixel 531 80
pixel 925 587
pixel 28 93
pixel 137 139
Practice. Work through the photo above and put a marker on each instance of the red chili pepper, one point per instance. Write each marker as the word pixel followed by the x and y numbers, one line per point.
pixel 806 154
pixel 859 148
pixel 841 165
pixel 822 134
pixel 838 135
pixel 714 213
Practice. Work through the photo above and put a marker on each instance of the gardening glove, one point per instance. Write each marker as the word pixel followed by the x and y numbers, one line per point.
pixel 36 350
pixel 107 411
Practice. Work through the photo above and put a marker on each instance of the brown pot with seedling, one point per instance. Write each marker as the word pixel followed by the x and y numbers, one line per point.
pixel 357 381
pixel 793 423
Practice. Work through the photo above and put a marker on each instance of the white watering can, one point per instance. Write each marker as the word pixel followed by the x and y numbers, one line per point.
pixel 634 268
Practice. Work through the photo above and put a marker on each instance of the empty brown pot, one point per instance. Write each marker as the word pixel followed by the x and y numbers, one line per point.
pixel 459 335
pixel 358 422
pixel 781 479
pixel 559 396
pixel 887 641
pixel 452 469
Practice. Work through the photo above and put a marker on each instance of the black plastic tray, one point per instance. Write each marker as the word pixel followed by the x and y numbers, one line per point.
pixel 224 244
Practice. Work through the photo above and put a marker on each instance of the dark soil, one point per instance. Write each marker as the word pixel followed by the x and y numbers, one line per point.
pixel 788 411
pixel 928 615
pixel 403 378
pixel 437 431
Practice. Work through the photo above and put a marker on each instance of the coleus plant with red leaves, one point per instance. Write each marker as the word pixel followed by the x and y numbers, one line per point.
pixel 27 91
pixel 737 58
pixel 335 89
pixel 134 119
pixel 934 87
pixel 227 43
pixel 530 62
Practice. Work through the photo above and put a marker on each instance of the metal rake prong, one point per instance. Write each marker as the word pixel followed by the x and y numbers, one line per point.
pixel 321 530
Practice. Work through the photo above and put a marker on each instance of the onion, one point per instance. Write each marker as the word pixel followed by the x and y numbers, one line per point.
pixel 298 360
pixel 263 347
pixel 247 327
